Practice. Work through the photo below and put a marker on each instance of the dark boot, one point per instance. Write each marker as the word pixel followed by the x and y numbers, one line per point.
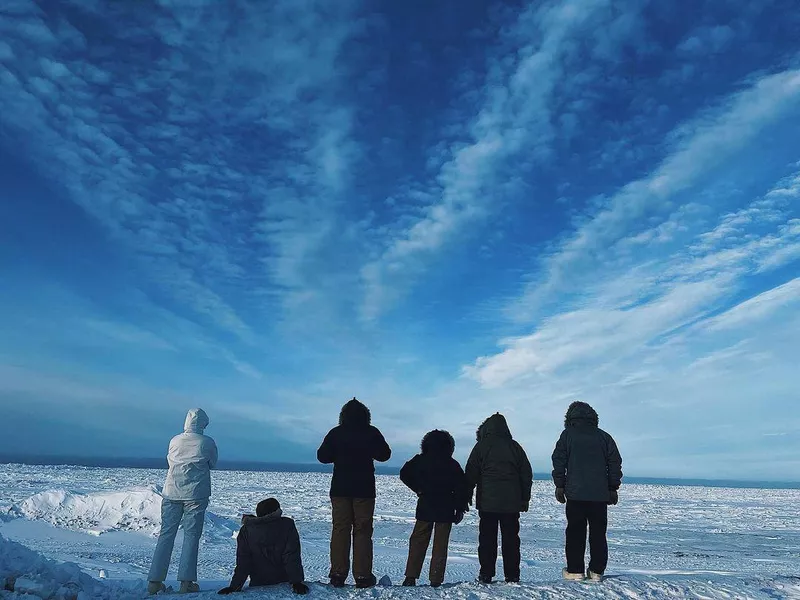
pixel 409 582
pixel 487 579
pixel 366 582
pixel 337 581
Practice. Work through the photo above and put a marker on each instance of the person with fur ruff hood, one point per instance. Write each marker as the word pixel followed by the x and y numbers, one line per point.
pixel 441 486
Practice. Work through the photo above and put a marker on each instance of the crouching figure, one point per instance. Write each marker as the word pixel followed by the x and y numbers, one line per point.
pixel 268 551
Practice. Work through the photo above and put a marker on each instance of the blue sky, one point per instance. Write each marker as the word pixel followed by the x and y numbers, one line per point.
pixel 446 209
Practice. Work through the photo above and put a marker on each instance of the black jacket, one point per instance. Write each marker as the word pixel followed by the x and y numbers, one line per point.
pixel 500 469
pixel 268 551
pixel 353 447
pixel 439 481
pixel 586 461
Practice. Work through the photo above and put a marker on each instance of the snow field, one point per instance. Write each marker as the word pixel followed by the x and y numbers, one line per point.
pixel 665 541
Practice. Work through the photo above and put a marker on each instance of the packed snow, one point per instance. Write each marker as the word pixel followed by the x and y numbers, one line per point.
pixel 665 541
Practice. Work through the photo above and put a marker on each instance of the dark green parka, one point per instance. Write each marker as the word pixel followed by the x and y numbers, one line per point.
pixel 500 469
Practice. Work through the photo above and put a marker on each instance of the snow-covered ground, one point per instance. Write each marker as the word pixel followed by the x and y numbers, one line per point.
pixel 666 541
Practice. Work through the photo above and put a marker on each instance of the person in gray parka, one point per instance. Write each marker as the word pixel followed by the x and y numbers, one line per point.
pixel 587 472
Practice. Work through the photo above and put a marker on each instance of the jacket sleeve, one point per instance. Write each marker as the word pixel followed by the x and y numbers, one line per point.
pixel 408 475
pixel 613 464
pixel 243 560
pixel 560 459
pixel 473 471
pixel 462 491
pixel 525 474
pixel 380 450
pixel 292 557
pixel 326 453
pixel 213 454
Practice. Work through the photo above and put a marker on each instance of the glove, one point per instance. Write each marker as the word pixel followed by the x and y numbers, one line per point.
pixel 526 506
pixel 300 588
pixel 614 497
pixel 227 590
pixel 561 496
pixel 459 517
pixel 246 516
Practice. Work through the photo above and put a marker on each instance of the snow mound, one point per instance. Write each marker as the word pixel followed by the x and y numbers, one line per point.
pixel 25 573
pixel 136 509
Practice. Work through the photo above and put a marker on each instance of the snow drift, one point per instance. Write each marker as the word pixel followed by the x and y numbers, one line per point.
pixel 136 509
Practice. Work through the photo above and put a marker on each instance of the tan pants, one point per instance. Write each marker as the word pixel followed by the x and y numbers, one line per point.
pixel 352 517
pixel 418 547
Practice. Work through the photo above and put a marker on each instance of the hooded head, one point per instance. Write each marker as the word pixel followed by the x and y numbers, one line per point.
pixel 267 507
pixel 438 443
pixel 355 414
pixel 494 426
pixel 580 413
pixel 196 421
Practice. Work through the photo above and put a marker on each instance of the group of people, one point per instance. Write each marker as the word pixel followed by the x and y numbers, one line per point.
pixel 587 472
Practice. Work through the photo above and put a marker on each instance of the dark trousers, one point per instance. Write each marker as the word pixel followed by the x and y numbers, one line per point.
pixel 352 520
pixel 487 543
pixel 579 514
pixel 418 547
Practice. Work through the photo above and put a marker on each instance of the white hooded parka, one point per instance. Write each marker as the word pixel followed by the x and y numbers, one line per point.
pixel 191 457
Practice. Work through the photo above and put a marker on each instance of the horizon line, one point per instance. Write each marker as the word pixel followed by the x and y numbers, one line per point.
pixel 288 466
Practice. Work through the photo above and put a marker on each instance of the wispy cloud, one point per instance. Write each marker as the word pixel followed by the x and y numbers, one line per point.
pixel 703 145
pixel 513 120
pixel 173 160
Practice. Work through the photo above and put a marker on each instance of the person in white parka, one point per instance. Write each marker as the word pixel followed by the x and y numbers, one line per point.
pixel 187 489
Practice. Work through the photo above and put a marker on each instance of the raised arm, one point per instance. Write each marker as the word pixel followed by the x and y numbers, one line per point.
pixel 408 475
pixel 380 450
pixel 560 459
pixel 326 454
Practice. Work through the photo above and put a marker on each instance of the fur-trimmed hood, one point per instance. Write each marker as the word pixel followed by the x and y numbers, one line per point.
pixel 439 443
pixel 355 414
pixel 580 413
pixel 495 425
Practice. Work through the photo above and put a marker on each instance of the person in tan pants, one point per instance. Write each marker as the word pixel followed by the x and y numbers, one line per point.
pixel 439 482
pixel 353 447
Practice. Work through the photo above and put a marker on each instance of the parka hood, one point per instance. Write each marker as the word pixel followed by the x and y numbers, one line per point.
pixel 355 414
pixel 438 443
pixel 196 421
pixel 580 413
pixel 495 425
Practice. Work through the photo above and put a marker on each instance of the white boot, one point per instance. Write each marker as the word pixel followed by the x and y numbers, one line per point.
pixel 592 576
pixel 154 587
pixel 189 587
pixel 571 576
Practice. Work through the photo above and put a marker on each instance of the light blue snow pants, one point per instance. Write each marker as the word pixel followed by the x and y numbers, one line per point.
pixel 174 512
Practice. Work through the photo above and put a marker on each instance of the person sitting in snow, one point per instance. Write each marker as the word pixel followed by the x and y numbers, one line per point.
pixel 267 551
pixel 587 471
pixel 184 500
pixel 439 482
pixel 353 447
pixel 500 469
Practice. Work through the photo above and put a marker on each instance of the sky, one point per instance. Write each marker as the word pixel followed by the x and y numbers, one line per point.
pixel 445 209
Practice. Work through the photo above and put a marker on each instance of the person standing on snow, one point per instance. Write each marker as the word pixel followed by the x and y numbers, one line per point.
pixel 439 482
pixel 353 447
pixel 187 489
pixel 587 471
pixel 267 551
pixel 500 469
